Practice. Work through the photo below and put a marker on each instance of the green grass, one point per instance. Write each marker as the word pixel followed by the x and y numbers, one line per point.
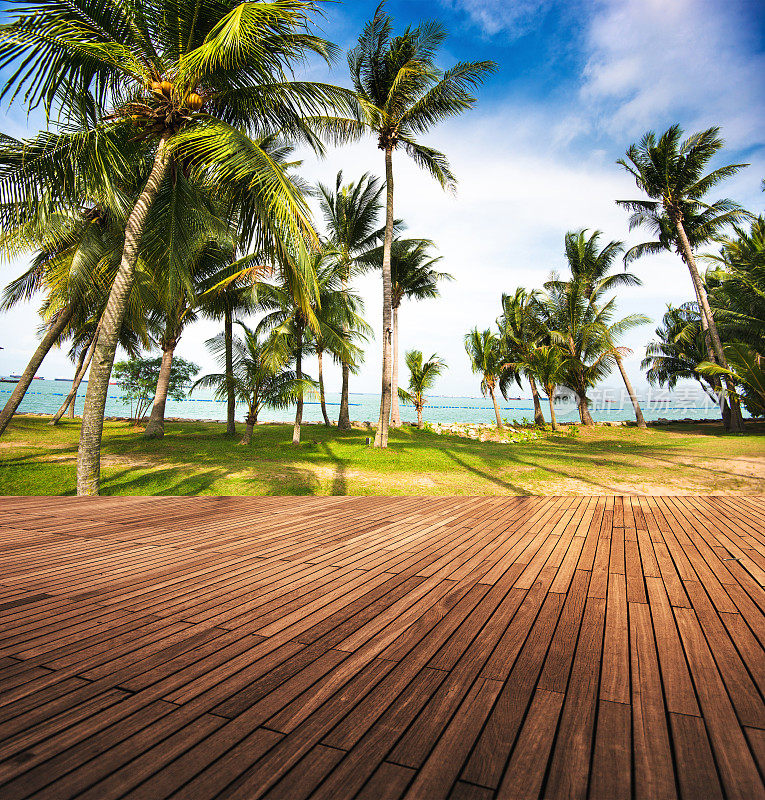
pixel 196 458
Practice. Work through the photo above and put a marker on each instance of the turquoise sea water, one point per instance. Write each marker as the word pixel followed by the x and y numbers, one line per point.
pixel 46 396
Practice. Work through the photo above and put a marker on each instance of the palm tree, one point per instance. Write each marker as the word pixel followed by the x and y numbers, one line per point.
pixel 258 382
pixel 76 254
pixel 737 285
pixel 549 365
pixel 191 83
pixel 402 94
pixel 487 359
pixel 231 294
pixel 586 333
pixel 521 330
pixel 748 369
pixel 592 268
pixel 340 325
pixel 672 173
pixel 296 333
pixel 351 217
pixel 412 277
pixel 177 298
pixel 677 351
pixel 422 377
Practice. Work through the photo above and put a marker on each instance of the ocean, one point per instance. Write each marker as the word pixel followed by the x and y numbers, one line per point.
pixel 45 396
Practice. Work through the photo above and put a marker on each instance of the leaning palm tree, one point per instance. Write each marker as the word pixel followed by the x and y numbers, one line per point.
pixel 671 171
pixel 422 378
pixel 192 84
pixel 402 94
pixel 592 267
pixel 413 277
pixel 259 382
pixel 76 254
pixel 351 217
pixel 487 359
pixel 548 363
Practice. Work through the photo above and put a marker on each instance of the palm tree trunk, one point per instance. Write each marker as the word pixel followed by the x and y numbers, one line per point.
pixel 584 409
pixel 156 426
pixel 395 411
pixel 51 337
pixel 381 435
pixel 496 407
pixel 344 418
pixel 320 356
pixel 89 451
pixel 419 418
pixel 228 336
pixel 720 396
pixel 631 392
pixel 250 425
pixel 298 375
pixel 736 421
pixel 553 421
pixel 539 417
pixel 82 368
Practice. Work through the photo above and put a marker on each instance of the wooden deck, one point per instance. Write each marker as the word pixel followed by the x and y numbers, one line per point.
pixel 378 648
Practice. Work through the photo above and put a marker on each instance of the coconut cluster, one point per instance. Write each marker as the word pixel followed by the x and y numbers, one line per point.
pixel 164 89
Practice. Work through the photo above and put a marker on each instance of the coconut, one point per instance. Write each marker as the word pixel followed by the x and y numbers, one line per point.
pixel 166 87
pixel 194 102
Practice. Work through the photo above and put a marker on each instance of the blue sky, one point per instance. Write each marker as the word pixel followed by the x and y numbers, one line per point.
pixel 576 83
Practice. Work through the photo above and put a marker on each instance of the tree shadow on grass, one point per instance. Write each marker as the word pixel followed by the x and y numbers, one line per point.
pixel 339 482
pixel 485 475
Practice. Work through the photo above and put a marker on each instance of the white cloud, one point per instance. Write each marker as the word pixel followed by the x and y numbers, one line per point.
pixel 510 17
pixel 688 60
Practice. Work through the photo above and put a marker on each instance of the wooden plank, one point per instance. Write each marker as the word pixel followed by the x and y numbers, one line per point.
pixel 371 647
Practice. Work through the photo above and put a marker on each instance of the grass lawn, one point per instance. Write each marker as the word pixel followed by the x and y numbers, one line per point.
pixel 195 458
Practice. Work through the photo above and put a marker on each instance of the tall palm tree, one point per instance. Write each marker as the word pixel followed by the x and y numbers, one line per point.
pixel 592 267
pixel 548 363
pixel 422 378
pixel 259 382
pixel 671 171
pixel 192 84
pixel 412 277
pixel 402 94
pixel 521 329
pixel 351 217
pixel 487 359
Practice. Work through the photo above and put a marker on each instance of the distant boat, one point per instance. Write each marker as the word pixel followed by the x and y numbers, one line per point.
pixel 38 378
pixel 68 380
pixel 9 380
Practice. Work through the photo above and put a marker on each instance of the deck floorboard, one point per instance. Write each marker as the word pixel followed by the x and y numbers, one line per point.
pixel 376 647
